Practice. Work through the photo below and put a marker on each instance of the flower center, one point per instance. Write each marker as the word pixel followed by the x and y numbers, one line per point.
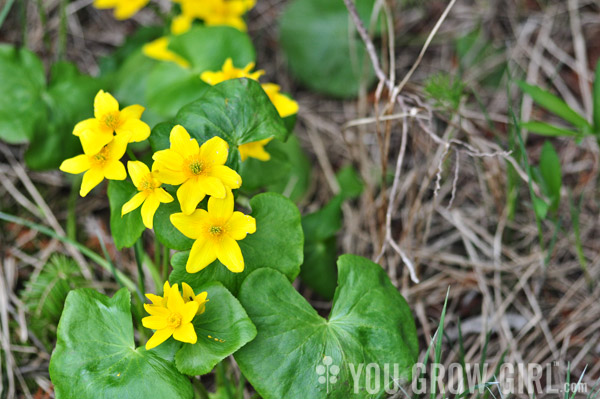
pixel 195 166
pixel 174 320
pixel 215 230
pixel 100 158
pixel 111 120
pixel 148 183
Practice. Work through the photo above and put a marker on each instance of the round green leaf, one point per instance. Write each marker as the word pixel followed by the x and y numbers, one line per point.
pixel 370 322
pixel 295 184
pixel 277 244
pixel 95 355
pixel 319 48
pixel 126 229
pixel 258 174
pixel 222 329
pixel 165 232
pixel 207 47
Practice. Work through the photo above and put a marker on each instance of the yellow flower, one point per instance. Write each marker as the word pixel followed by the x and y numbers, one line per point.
pixel 228 71
pixel 199 170
pixel 255 149
pixel 189 296
pixel 123 8
pixel 159 50
pixel 285 106
pixel 151 195
pixel 216 232
pixel 97 166
pixel 96 132
pixel 173 319
pixel 214 12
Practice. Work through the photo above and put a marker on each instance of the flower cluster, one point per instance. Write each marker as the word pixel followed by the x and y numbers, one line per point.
pixel 285 106
pixel 172 314
pixel 104 139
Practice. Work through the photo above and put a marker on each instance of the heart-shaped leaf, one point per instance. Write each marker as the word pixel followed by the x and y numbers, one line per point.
pixel 222 329
pixel 237 110
pixel 370 322
pixel 277 244
pixel 96 357
pixel 126 229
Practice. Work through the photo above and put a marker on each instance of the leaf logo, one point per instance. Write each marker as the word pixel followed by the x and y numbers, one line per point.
pixel 327 372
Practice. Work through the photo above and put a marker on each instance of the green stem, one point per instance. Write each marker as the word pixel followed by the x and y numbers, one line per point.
pixel 222 379
pixel 83 249
pixel 139 260
pixel 71 217
pixel 5 11
pixel 62 32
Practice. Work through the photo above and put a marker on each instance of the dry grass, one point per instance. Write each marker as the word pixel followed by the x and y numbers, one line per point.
pixel 449 210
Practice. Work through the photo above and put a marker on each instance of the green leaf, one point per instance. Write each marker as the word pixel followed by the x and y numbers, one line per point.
pixel 207 47
pixel 222 329
pixel 277 244
pixel 351 184
pixel 69 99
pixel 550 171
pixel 554 104
pixel 257 174
pixel 22 82
pixel 296 183
pixel 540 207
pixel 545 129
pixel 126 230
pixel 165 232
pixel 236 110
pixel 96 357
pixel 321 51
pixel 370 322
pixel 597 99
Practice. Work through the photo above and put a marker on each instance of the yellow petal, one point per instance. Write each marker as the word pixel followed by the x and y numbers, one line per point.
pixel 255 150
pixel 159 337
pixel 239 225
pixel 162 195
pixel 154 322
pixel 182 143
pixel 188 292
pixel 212 186
pixel 221 208
pixel 91 179
pixel 285 106
pixel 181 24
pixel 104 103
pixel 117 147
pixel 175 301
pixel 169 176
pixel 132 112
pixel 190 194
pixel 93 141
pixel 230 254
pixel 159 50
pixel 114 170
pixel 127 9
pixel 189 311
pixel 148 210
pixel 75 165
pixel 88 124
pixel 155 299
pixel 157 310
pixel 168 159
pixel 133 203
pixel 215 151
pixel 228 176
pixel 192 225
pixel 212 78
pixel 105 3
pixel 186 333
pixel 137 130
pixel 203 253
pixel 137 170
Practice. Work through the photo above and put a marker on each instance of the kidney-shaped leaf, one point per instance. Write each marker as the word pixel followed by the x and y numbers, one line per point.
pixel 370 323
pixel 222 329
pixel 126 229
pixel 277 244
pixel 96 358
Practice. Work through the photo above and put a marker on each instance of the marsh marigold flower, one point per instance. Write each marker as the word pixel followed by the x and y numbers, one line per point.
pixel 96 132
pixel 100 165
pixel 188 296
pixel 213 12
pixel 124 9
pixel 173 319
pixel 150 194
pixel 200 170
pixel 285 106
pixel 216 232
